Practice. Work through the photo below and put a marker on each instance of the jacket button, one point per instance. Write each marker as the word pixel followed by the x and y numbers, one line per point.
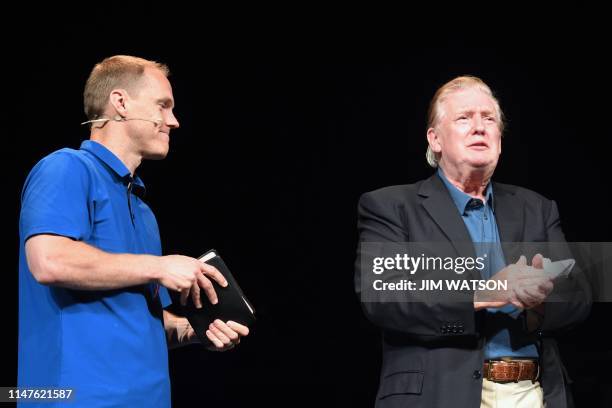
pixel 476 374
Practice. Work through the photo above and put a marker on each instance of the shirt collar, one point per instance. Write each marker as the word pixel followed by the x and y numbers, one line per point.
pixel 112 161
pixel 461 199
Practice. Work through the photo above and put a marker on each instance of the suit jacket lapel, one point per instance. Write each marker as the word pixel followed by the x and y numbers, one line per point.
pixel 440 206
pixel 509 214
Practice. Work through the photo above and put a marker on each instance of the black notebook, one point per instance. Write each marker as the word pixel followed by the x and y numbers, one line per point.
pixel 232 305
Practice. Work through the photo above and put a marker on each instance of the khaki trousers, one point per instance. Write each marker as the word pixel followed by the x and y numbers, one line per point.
pixel 522 394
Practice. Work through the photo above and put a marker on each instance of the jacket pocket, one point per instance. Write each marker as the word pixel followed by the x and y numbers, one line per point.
pixel 401 383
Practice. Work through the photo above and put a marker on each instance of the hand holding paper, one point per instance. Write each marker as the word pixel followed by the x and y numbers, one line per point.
pixel 558 268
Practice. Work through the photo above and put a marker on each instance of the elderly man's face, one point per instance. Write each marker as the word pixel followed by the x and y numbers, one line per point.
pixel 467 134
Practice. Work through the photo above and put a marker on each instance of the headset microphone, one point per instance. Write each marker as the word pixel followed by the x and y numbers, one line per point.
pixel 118 118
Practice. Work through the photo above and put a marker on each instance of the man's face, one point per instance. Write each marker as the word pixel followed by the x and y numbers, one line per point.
pixel 153 101
pixel 467 134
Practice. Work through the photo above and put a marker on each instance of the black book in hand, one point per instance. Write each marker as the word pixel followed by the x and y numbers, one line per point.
pixel 232 304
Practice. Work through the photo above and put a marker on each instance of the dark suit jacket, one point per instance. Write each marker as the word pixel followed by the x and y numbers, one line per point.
pixel 425 363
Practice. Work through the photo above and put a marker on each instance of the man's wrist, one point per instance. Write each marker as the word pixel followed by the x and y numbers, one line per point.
pixel 186 334
pixel 152 267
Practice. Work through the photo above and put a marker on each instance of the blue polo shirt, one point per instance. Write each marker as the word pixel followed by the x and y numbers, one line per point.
pixel 109 346
pixel 504 331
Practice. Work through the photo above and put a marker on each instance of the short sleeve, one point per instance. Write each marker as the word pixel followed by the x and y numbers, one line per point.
pixel 55 198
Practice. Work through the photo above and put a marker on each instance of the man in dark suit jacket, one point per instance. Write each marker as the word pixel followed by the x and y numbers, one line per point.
pixel 485 352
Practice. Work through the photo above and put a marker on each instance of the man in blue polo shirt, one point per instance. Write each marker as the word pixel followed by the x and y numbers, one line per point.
pixel 92 281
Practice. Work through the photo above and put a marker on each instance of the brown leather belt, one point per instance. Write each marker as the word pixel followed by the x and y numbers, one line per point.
pixel 511 370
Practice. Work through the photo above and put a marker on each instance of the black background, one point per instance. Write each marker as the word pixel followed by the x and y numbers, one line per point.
pixel 280 134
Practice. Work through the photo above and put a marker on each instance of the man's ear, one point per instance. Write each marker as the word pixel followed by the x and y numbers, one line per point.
pixel 118 101
pixel 434 141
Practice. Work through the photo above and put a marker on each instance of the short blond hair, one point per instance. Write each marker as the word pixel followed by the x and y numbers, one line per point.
pixel 459 83
pixel 119 71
